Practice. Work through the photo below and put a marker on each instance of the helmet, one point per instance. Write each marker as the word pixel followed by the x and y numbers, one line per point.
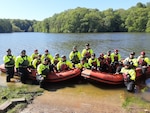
pixel 116 50
pixel 102 54
pixel 143 53
pixel 126 63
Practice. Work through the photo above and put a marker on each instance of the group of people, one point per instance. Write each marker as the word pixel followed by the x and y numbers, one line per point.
pixel 110 62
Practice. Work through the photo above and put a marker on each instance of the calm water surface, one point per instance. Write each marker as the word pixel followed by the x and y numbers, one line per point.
pixel 63 43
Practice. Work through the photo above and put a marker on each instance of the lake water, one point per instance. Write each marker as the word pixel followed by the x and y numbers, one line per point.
pixel 63 43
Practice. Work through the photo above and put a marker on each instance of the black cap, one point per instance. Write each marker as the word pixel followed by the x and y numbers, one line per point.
pixel 8 50
pixel 87 44
pixel 93 54
pixel 23 51
pixel 132 53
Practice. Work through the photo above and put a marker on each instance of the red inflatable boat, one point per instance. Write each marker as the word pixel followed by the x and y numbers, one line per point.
pixel 53 76
pixel 109 78
pixel 58 76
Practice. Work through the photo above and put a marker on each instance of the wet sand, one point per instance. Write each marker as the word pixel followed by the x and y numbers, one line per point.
pixel 82 98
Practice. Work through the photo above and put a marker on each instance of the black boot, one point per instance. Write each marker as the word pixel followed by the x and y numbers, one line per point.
pixel 7 79
pixel 41 83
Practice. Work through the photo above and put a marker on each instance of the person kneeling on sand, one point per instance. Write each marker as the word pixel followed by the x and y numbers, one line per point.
pixel 129 75
pixel 42 72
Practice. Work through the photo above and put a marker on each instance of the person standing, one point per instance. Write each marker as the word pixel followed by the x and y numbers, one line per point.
pixel 144 63
pixel 75 56
pixel 132 60
pixel 129 75
pixel 9 62
pixel 36 61
pixel 34 55
pixel 87 52
pixel 22 63
pixel 47 55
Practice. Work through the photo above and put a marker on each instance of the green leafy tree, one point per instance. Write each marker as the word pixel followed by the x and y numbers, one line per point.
pixel 5 26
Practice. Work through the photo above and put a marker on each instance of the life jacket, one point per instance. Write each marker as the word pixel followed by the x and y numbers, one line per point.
pixel 11 62
pixel 25 62
pixel 87 54
pixel 64 66
pixel 94 63
pixel 108 60
pixel 75 58
pixel 46 56
pixel 56 61
pixel 102 61
pixel 35 57
pixel 142 62
pixel 38 62
pixel 116 57
pixel 45 71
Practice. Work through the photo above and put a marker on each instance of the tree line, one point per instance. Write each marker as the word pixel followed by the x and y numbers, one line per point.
pixel 84 20
pixel 16 25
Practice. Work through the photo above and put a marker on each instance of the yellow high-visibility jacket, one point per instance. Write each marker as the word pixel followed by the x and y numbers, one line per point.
pixel 43 69
pixel 131 72
pixel 67 63
pixel 95 60
pixel 9 60
pixel 22 61
pixel 85 51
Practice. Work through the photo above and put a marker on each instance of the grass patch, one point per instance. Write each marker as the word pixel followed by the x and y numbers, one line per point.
pixel 25 91
pixel 135 100
pixel 18 108
pixel 134 103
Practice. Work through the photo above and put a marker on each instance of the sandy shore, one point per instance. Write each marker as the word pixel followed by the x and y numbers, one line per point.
pixel 60 102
